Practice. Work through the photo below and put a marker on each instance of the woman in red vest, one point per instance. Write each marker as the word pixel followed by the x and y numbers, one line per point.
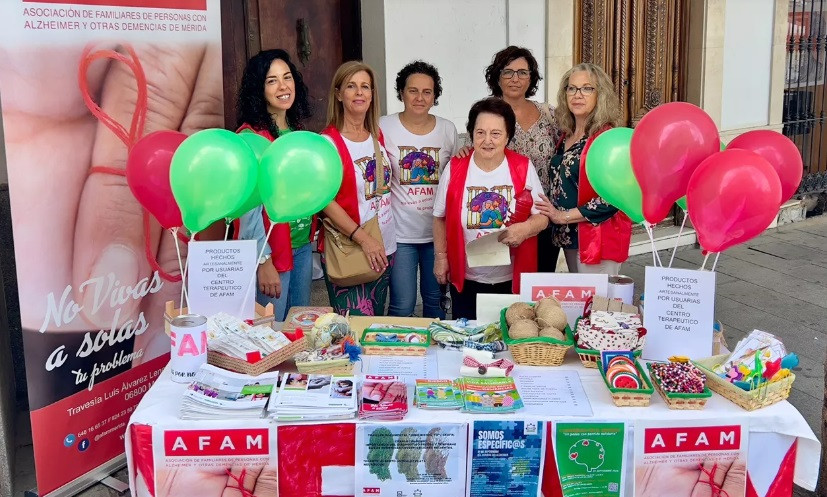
pixel 473 200
pixel 272 102
pixel 594 235
pixel 353 127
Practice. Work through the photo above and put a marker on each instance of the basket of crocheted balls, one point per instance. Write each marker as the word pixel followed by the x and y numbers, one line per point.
pixel 537 334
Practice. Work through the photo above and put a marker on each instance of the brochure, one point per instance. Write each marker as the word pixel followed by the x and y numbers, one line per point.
pixel 383 398
pixel 437 394
pixel 314 397
pixel 216 392
pixel 490 395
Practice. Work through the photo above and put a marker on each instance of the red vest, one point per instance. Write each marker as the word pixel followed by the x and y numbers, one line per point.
pixel 608 240
pixel 280 243
pixel 346 197
pixel 524 257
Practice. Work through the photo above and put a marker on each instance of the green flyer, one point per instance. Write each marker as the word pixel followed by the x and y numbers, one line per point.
pixel 590 458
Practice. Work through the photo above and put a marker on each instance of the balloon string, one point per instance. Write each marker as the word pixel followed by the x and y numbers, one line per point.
pixel 703 266
pixel 174 232
pixel 260 255
pixel 678 239
pixel 226 231
pixel 655 256
pixel 715 263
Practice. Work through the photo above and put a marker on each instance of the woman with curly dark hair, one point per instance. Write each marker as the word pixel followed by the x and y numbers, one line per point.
pixel 273 101
pixel 419 146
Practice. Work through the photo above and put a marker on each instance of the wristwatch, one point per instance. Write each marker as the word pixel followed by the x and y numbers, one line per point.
pixel 263 259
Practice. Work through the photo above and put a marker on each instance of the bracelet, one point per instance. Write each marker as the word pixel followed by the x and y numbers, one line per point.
pixel 567 216
pixel 354 232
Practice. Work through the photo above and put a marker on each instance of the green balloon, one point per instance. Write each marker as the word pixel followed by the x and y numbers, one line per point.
pixel 299 175
pixel 609 169
pixel 258 144
pixel 211 175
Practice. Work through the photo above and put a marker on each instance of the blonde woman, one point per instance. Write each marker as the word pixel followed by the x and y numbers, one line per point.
pixel 353 125
pixel 594 235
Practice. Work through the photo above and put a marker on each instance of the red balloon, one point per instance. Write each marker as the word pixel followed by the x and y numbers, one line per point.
pixel 732 197
pixel 147 174
pixel 780 152
pixel 667 146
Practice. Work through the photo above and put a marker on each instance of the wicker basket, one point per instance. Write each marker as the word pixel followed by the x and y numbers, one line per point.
pixel 395 348
pixel 298 343
pixel 763 396
pixel 264 314
pixel 332 366
pixel 540 351
pixel 591 358
pixel 681 401
pixel 627 397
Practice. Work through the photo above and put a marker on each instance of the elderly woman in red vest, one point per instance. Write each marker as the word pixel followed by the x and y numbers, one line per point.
pixel 473 200
pixel 594 235
pixel 353 127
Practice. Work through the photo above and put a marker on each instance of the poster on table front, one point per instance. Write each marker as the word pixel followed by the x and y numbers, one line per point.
pixel 506 458
pixel 93 278
pixel 686 457
pixel 220 461
pixel 590 458
pixel 421 460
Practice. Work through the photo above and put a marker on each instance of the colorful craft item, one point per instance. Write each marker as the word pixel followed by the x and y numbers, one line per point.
pixel 620 369
pixel 610 330
pixel 678 377
pixel 480 363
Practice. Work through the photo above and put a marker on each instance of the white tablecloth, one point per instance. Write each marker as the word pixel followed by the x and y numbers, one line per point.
pixel 161 404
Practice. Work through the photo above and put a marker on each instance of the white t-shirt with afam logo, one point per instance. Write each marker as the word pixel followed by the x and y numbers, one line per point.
pixel 364 164
pixel 486 200
pixel 417 161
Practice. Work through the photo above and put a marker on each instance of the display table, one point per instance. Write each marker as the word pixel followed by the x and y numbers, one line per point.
pixel 774 432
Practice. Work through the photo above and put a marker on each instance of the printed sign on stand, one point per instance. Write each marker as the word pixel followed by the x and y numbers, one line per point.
pixel 221 278
pixel 571 289
pixel 680 310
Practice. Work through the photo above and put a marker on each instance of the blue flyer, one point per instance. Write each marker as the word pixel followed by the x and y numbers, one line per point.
pixel 506 458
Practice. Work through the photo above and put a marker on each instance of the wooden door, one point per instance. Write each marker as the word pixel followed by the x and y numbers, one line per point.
pixel 318 34
pixel 641 45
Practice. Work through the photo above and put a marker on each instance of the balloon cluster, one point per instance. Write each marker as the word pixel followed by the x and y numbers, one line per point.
pixel 215 174
pixel 674 155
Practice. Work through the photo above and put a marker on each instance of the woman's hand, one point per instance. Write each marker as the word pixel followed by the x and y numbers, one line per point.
pixel 269 282
pixel 546 208
pixel 373 249
pixel 441 269
pixel 515 234
pixel 464 152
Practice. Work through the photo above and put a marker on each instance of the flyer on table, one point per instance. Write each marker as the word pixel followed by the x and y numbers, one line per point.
pixel 92 276
pixel 686 457
pixel 425 460
pixel 590 458
pixel 241 461
pixel 506 458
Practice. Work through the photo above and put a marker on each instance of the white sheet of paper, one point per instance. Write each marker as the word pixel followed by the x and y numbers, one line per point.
pixel 487 251
pixel 552 393
pixel 489 305
pixel 219 278
pixel 571 289
pixel 680 310
pixel 406 367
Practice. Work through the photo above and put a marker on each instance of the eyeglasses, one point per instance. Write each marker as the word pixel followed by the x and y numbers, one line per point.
pixel 509 73
pixel 585 91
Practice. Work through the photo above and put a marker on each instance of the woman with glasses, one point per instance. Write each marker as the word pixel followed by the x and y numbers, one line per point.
pixel 594 235
pixel 514 76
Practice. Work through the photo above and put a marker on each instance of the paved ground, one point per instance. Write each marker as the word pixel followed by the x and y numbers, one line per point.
pixel 776 283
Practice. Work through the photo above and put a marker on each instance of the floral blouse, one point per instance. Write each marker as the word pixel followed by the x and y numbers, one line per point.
pixel 564 170
pixel 537 142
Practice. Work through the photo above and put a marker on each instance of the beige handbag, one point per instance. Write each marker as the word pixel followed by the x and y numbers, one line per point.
pixel 345 261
